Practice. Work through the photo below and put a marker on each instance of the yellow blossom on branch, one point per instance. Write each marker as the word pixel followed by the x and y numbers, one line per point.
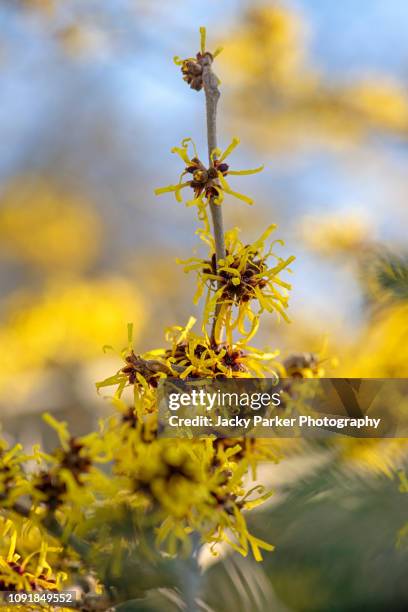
pixel 179 486
pixel 206 183
pixel 243 277
pixel 198 356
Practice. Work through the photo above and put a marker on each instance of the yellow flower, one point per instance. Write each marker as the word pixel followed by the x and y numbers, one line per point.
pixel 192 67
pixel 239 279
pixel 252 450
pixel 207 183
pixel 143 372
pixel 198 356
pixel 13 482
pixel 190 485
pixel 29 573
pixel 52 485
pixel 190 355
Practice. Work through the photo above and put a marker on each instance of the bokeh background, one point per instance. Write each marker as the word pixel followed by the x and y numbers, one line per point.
pixel 91 104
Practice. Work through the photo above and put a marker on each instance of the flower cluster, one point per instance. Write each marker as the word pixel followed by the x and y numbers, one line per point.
pixel 29 570
pixel 186 486
pixel 10 469
pixel 198 356
pixel 178 486
pixel 208 184
pixel 109 494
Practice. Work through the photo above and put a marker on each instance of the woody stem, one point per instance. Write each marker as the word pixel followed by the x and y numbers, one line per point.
pixel 212 95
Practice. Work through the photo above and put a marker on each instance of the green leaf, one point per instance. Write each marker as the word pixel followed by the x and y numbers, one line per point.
pixel 388 277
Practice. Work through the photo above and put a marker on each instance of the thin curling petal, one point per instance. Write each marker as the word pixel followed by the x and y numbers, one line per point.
pixel 231 239
pixel 182 152
pixel 217 51
pixel 234 143
pixel 186 141
pixel 203 39
pixel 207 237
pixel 208 183
pixel 214 154
pixel 219 198
pixel 60 428
pixel 172 188
pixel 271 228
pixel 253 330
pixel 245 172
pixel 282 283
pixel 242 282
pixel 283 264
pixel 227 189
pixel 12 547
pixel 194 202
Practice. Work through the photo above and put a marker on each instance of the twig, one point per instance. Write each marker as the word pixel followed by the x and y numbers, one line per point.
pixel 212 95
pixel 192 576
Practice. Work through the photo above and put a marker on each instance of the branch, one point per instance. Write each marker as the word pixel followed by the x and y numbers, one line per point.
pixel 212 95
